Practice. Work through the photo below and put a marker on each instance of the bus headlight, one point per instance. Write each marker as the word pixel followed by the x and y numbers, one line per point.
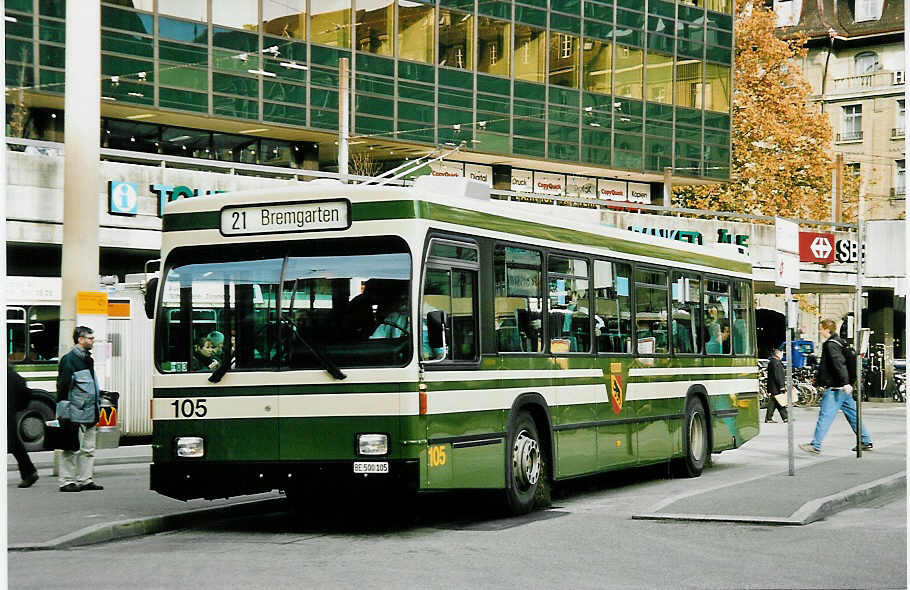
pixel 372 444
pixel 190 446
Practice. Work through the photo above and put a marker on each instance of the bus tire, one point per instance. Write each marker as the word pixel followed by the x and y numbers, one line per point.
pixel 30 424
pixel 528 484
pixel 695 439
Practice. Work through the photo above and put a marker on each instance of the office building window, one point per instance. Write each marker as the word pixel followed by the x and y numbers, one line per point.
pixel 901 118
pixel 456 40
pixel 415 31
pixel 494 42
pixel 564 58
pixel 629 66
pixel 284 18
pixel 237 15
pixel 530 53
pixel 598 71
pixel 866 62
pixel 660 77
pixel 852 123
pixel 373 22
pixel 191 9
pixel 331 25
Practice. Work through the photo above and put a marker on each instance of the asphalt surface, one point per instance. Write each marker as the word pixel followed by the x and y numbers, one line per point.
pixel 761 491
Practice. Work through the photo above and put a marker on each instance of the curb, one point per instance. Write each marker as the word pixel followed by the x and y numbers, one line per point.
pixel 124 529
pixel 49 463
pixel 809 512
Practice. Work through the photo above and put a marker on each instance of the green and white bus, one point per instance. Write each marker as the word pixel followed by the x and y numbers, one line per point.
pixel 432 338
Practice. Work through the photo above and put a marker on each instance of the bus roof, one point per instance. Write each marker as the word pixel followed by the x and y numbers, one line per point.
pixel 458 201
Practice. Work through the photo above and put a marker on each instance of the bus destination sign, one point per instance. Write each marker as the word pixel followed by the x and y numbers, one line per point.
pixel 274 218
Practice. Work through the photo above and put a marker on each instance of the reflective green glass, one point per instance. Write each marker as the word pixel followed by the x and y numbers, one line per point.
pixel 413 111
pixel 415 132
pixel 183 76
pixel 529 127
pixel 127 44
pixel 182 99
pixel 528 147
pixel 374 106
pixel 456 98
pixel 235 107
pixel 416 91
pixel 562 151
pixel 127 20
pixel 324 119
pixel 283 92
pixel 239 85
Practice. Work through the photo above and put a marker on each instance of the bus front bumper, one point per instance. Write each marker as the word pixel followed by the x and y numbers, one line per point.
pixel 187 480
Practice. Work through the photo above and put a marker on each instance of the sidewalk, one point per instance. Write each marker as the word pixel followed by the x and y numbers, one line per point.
pixel 751 485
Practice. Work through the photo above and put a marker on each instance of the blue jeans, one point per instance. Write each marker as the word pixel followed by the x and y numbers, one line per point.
pixel 832 401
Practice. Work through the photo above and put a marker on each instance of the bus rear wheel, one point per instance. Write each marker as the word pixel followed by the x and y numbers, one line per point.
pixel 528 483
pixel 30 425
pixel 695 439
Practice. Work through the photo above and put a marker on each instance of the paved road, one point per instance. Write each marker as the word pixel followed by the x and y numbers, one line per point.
pixel 587 540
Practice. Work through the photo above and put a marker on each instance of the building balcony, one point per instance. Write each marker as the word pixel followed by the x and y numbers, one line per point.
pixel 861 82
pixel 849 137
pixel 898 133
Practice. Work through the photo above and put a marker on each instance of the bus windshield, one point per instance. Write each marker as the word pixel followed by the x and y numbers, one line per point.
pixel 299 305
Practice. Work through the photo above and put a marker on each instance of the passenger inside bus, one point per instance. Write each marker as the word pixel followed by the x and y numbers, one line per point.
pixel 721 344
pixel 204 358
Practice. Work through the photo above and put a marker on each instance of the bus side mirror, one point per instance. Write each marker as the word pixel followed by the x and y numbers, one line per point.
pixel 436 335
pixel 151 289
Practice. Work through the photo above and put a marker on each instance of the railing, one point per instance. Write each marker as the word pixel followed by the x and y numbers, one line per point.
pixel 849 136
pixel 898 132
pixel 863 81
pixel 54 149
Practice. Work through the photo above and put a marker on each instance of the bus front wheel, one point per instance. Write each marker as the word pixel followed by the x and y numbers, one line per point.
pixel 695 439
pixel 528 484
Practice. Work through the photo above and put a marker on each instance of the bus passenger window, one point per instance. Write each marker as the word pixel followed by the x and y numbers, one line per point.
pixel 651 311
pixel 15 334
pixel 569 305
pixel 612 307
pixel 687 317
pixel 454 292
pixel 518 304
pixel 742 319
pixel 717 316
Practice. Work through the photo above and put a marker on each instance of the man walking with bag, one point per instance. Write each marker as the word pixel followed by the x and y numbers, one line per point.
pixel 776 386
pixel 78 395
pixel 834 376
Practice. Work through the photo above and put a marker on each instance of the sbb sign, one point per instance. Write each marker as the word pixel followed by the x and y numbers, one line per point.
pixel 816 247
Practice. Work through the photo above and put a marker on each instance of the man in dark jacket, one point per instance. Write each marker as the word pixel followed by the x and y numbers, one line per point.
pixel 17 397
pixel 77 388
pixel 833 375
pixel 776 385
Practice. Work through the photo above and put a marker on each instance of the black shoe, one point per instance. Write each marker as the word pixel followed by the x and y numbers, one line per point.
pixel 770 421
pixel 70 487
pixel 28 480
pixel 90 486
pixel 866 447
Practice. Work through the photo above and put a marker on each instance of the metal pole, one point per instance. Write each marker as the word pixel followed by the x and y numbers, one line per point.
pixel 668 186
pixel 858 325
pixel 344 99
pixel 3 497
pixel 82 149
pixel 791 462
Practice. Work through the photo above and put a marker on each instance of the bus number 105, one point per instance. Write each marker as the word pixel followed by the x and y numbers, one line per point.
pixel 188 408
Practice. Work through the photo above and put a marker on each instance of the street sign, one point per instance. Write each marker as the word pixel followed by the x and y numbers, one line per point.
pixel 787 235
pixel 817 247
pixel 786 269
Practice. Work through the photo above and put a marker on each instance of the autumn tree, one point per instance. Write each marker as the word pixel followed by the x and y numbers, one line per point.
pixel 781 162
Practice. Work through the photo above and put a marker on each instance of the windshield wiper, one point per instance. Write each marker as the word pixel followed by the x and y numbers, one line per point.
pixel 327 363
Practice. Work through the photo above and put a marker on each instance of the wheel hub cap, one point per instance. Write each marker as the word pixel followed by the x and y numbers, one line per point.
pixel 526 460
pixel 697 442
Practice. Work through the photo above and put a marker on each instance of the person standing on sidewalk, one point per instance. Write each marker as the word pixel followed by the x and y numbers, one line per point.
pixel 17 397
pixel 833 375
pixel 78 401
pixel 776 385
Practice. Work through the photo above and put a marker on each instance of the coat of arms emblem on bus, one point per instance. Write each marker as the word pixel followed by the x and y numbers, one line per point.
pixel 616 393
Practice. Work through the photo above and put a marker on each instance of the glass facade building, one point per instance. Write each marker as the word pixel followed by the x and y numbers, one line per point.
pixel 621 85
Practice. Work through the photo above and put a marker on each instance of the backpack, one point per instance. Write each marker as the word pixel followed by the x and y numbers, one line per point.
pixel 850 358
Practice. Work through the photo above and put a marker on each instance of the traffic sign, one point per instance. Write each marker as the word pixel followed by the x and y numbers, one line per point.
pixel 816 247
pixel 786 270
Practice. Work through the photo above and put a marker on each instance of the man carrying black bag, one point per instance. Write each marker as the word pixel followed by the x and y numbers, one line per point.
pixel 776 385
pixel 17 397
pixel 79 402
